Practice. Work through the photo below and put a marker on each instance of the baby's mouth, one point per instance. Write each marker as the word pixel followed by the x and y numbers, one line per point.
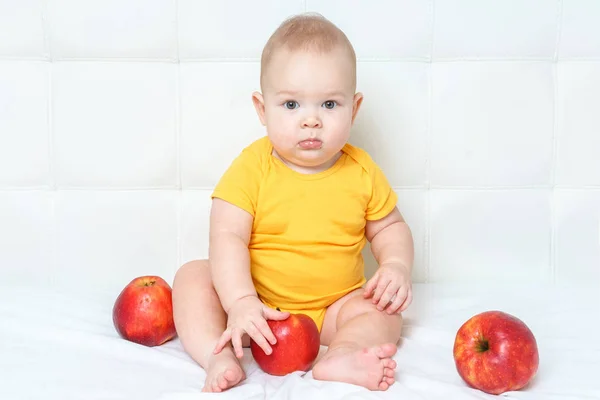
pixel 310 144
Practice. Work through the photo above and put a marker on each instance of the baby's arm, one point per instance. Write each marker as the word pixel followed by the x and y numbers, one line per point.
pixel 393 248
pixel 391 240
pixel 230 229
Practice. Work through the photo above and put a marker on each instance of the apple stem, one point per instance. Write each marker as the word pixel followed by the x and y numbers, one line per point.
pixel 483 345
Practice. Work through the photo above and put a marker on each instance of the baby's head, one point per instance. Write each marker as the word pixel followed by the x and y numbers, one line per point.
pixel 308 83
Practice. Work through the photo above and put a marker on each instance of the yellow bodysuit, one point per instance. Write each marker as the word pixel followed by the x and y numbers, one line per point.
pixel 309 229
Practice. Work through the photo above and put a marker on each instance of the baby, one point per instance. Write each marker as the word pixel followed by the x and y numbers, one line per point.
pixel 288 221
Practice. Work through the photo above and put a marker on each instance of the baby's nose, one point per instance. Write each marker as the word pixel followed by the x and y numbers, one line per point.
pixel 311 122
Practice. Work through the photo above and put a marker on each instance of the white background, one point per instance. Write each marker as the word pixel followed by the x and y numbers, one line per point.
pixel 118 117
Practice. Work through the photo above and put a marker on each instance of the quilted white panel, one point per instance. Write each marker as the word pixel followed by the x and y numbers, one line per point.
pixel 578 236
pixel 195 217
pixel 22 29
pixel 495 29
pixel 579 36
pixel 394 115
pixel 26 236
pixel 217 118
pixel 24 131
pixel 211 29
pixel 467 226
pixel 578 128
pixel 118 118
pixel 105 238
pixel 492 123
pixel 114 124
pixel 113 28
pixel 383 29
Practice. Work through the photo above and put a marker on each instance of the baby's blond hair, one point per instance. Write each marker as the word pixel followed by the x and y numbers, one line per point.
pixel 306 32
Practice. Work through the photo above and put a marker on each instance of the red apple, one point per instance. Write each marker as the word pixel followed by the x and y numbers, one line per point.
pixel 143 311
pixel 298 343
pixel 495 352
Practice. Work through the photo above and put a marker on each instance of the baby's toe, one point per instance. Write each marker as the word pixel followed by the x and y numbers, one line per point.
pixel 388 372
pixel 229 375
pixel 222 382
pixel 389 363
pixel 387 350
pixel 383 385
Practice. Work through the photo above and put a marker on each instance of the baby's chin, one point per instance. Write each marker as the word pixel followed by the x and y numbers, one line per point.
pixel 312 158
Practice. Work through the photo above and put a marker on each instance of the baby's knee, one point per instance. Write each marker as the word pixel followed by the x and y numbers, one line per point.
pixel 193 269
pixel 359 305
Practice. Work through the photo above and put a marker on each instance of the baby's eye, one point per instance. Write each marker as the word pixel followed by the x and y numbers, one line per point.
pixel 290 105
pixel 329 104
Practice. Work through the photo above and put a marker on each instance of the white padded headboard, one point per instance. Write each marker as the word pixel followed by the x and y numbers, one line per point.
pixel 117 117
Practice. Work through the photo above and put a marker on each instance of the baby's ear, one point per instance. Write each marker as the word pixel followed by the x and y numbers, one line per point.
pixel 358 98
pixel 259 105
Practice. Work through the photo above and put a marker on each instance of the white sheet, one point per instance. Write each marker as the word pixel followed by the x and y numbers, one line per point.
pixel 62 345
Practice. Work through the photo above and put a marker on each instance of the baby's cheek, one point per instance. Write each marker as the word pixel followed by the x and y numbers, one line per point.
pixel 282 128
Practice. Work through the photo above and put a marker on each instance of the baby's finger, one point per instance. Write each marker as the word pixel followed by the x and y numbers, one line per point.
pixel 390 291
pixel 400 298
pixel 371 284
pixel 223 340
pixel 276 315
pixel 260 340
pixel 408 300
pixel 381 286
pixel 265 330
pixel 236 340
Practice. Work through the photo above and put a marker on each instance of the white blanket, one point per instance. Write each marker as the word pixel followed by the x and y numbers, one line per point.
pixel 62 345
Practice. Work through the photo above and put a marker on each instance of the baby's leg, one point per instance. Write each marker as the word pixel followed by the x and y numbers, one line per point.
pixel 200 321
pixel 362 341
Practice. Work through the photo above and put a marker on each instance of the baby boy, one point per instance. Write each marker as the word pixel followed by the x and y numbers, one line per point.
pixel 289 220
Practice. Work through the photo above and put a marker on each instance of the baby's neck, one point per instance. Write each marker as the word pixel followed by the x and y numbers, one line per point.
pixel 309 170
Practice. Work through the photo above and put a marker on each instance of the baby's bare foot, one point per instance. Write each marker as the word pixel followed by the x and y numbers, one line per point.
pixel 370 367
pixel 224 371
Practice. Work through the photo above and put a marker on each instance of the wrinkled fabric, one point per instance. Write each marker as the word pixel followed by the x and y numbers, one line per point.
pixel 62 345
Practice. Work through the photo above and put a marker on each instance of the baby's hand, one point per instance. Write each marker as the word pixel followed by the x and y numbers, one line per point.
pixel 249 315
pixel 391 287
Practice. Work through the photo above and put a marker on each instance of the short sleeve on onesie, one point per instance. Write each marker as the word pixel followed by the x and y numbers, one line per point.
pixel 240 183
pixel 383 197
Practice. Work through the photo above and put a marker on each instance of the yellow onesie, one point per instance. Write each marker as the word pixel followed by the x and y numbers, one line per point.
pixel 309 229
